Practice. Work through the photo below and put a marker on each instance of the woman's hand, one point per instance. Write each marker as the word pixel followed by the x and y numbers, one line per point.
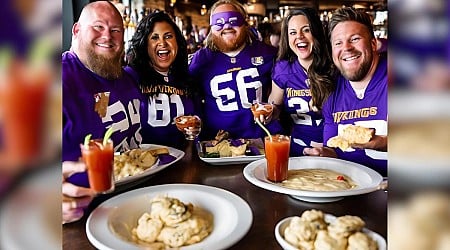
pixel 75 199
pixel 320 151
pixel 377 142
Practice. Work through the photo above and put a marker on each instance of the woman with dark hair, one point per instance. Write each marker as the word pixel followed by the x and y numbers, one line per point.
pixel 303 77
pixel 158 57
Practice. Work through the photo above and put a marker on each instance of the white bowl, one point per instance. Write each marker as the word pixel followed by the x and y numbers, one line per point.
pixel 419 148
pixel 284 223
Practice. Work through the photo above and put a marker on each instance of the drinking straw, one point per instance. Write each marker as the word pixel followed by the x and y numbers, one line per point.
pixel 264 128
pixel 108 134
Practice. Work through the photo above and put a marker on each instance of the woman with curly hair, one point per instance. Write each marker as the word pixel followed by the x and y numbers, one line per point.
pixel 158 57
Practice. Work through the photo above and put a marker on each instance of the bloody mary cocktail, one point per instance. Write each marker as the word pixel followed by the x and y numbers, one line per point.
pixel 190 125
pixel 99 160
pixel 277 156
pixel 261 109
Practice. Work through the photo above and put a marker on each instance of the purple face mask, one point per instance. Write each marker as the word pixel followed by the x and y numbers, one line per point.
pixel 225 20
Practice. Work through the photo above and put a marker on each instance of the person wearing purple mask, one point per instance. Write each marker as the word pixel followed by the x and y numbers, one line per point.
pixel 233 70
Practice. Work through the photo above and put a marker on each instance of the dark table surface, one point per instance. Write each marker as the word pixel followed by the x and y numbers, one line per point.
pixel 268 207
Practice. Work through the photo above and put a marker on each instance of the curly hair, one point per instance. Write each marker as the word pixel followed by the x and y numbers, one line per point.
pixel 322 71
pixel 138 58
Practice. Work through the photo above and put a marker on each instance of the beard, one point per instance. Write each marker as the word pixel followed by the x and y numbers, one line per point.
pixel 109 67
pixel 228 46
pixel 359 74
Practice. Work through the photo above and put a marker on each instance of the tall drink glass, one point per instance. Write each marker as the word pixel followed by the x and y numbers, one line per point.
pixel 277 156
pixel 99 160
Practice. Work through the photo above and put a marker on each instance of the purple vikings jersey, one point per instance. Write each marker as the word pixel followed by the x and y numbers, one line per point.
pixel 307 129
pixel 92 104
pixel 343 107
pixel 230 85
pixel 163 102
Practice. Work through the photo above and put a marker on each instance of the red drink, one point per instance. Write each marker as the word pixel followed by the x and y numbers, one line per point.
pixel 190 125
pixel 23 96
pixel 99 160
pixel 277 156
pixel 261 109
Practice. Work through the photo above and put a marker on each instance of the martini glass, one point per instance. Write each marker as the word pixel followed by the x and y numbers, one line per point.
pixel 261 110
pixel 190 125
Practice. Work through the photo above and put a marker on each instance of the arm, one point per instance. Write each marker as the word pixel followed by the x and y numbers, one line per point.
pixel 320 151
pixel 330 130
pixel 75 199
pixel 276 98
pixel 377 142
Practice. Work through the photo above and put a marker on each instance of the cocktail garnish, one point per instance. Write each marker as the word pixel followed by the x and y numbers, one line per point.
pixel 108 134
pixel 86 140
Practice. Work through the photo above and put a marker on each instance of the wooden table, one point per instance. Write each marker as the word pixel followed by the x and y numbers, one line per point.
pixel 268 207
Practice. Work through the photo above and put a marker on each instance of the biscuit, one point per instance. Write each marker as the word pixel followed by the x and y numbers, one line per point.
pixel 174 236
pixel 338 142
pixel 148 229
pixel 316 218
pixel 170 210
pixel 325 241
pixel 346 225
pixel 299 230
pixel 361 241
pixel 357 134
pixel 350 135
pixel 190 231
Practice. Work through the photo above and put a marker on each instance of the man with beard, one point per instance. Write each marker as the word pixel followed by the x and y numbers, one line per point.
pixel 233 70
pixel 97 94
pixel 361 92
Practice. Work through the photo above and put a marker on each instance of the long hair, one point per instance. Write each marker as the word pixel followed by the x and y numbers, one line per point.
pixel 238 7
pixel 351 14
pixel 139 59
pixel 321 73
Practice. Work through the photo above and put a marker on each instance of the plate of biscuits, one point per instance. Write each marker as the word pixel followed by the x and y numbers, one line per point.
pixel 224 150
pixel 170 216
pixel 317 230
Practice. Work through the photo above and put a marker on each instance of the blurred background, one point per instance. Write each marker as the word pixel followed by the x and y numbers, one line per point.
pixel 31 42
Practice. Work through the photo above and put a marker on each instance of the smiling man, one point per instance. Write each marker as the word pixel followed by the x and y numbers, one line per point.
pixel 97 94
pixel 361 93
pixel 233 70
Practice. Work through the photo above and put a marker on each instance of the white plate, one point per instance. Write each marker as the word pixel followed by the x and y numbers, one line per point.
pixel 178 154
pixel 30 217
pixel 231 160
pixel 228 160
pixel 281 226
pixel 367 179
pixel 425 163
pixel 232 215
